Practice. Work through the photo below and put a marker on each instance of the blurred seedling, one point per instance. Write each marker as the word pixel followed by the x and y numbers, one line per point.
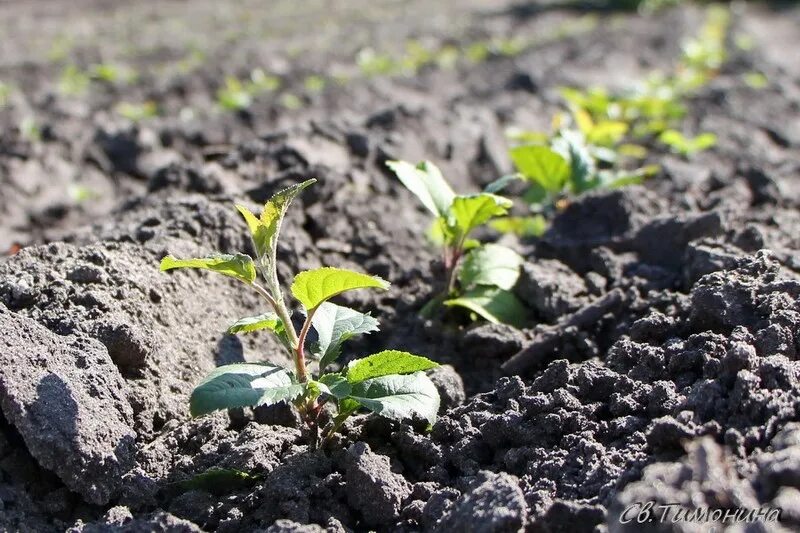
pixel 237 95
pixel 136 112
pixel 478 277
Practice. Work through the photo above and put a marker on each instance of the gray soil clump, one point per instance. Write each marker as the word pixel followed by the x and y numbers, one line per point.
pixel 67 399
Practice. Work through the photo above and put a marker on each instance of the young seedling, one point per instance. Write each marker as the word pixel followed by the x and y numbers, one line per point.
pixel 390 383
pixel 237 95
pixel 137 112
pixel 568 166
pixel 579 158
pixel 687 146
pixel 478 276
pixel 570 162
pixel 5 93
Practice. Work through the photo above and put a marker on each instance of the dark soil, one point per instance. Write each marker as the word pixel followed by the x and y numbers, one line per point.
pixel 660 361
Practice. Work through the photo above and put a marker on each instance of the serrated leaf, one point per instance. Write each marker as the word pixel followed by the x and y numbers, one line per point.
pixel 490 264
pixel 337 384
pixel 385 363
pixel 255 323
pixel 243 385
pixel 239 266
pixel 493 304
pixel 334 325
pixel 217 481
pixel 399 397
pixel 542 165
pixel 469 212
pixel 313 287
pixel 265 229
pixel 427 183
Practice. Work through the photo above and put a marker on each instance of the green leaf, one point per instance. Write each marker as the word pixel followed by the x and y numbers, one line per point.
pixel 536 196
pixel 502 182
pixel 313 389
pixel 687 145
pixel 572 147
pixel 542 165
pixel 337 384
pixel 491 264
pixel 266 228
pixel 268 321
pixel 217 481
pixel 385 363
pixel 623 178
pixel 469 212
pixel 243 385
pixel 529 226
pixel 334 325
pixel 239 266
pixel 399 397
pixel 255 323
pixel 492 304
pixel 312 287
pixel 427 183
pixel 437 232
pixel 256 230
pixel 607 133
pixel 347 406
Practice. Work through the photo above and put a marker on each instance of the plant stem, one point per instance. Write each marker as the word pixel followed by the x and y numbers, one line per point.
pixel 335 425
pixel 452 257
pixel 300 361
pixel 279 306
pixel 451 279
pixel 263 292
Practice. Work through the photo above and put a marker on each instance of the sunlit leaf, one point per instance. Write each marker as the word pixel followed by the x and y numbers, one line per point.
pixel 469 212
pixel 385 363
pixel 239 266
pixel 530 226
pixel 542 165
pixel 266 228
pixel 427 183
pixel 492 265
pixel 492 304
pixel 399 397
pixel 313 287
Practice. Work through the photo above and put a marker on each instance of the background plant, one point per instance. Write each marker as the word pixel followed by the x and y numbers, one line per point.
pixel 573 160
pixel 390 383
pixel 599 142
pixel 238 94
pixel 478 277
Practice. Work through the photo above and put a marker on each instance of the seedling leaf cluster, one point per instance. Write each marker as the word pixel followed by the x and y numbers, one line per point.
pixel 597 144
pixel 390 383
pixel 478 277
